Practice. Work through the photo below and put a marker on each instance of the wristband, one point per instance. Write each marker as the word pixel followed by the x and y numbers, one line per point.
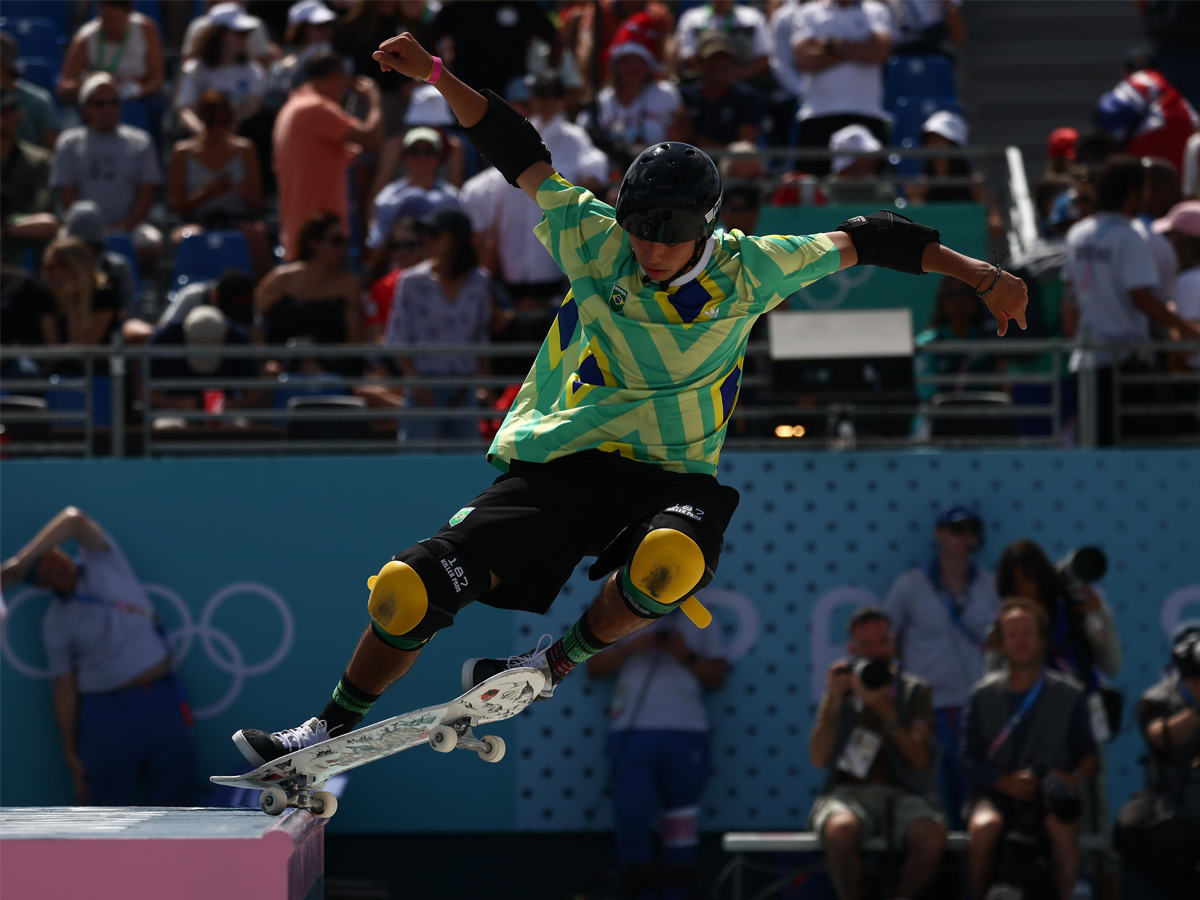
pixel 436 72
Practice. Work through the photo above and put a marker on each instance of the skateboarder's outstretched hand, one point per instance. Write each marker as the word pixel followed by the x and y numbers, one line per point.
pixel 404 55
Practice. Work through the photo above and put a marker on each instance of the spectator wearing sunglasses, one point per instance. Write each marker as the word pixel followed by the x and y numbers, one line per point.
pixel 941 612
pixel 406 246
pixel 422 157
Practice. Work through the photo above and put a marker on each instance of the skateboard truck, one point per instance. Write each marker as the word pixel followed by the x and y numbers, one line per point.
pixel 274 800
pixel 445 737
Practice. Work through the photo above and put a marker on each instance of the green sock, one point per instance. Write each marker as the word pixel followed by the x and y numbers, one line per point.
pixel 347 707
pixel 577 646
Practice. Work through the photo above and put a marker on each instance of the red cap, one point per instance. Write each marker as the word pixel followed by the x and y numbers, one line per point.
pixel 1061 144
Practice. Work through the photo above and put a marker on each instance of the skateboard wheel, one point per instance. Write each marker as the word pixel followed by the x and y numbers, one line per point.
pixel 273 801
pixel 328 804
pixel 495 748
pixel 443 738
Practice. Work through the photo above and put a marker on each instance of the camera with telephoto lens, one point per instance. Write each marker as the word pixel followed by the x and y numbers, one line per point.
pixel 1082 566
pixel 873 673
pixel 1185 655
pixel 1058 797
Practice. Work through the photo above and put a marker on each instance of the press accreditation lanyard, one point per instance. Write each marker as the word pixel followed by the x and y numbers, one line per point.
pixel 934 573
pixel 1015 719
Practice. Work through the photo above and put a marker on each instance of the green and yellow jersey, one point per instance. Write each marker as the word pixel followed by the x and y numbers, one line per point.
pixel 631 368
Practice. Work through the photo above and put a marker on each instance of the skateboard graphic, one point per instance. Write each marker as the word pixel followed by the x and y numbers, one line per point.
pixel 291 780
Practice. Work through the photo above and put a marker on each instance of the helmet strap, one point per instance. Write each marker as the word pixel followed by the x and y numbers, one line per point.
pixel 696 254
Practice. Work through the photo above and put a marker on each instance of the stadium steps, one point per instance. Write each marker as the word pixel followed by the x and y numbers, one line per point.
pixel 1033 65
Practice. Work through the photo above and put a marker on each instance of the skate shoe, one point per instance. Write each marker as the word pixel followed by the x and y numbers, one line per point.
pixel 478 670
pixel 260 748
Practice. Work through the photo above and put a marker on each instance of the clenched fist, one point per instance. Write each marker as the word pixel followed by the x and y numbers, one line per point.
pixel 404 55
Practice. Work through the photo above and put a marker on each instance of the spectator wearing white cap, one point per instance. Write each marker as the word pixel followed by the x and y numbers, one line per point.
pixel 855 178
pixel 119 42
pixel 741 24
pixel 636 108
pixel 309 30
pixel 114 165
pixel 841 46
pixel 422 149
pixel 946 130
pixel 427 108
pixel 39 117
pixel 204 326
pixel 259 44
pixel 222 63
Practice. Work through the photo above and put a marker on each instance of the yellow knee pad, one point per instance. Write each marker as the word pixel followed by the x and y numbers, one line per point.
pixel 398 600
pixel 666 565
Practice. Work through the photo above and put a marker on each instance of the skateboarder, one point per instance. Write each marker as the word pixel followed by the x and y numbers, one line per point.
pixel 610 448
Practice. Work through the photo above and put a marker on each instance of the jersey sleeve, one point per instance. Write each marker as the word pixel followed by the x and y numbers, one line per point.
pixel 580 231
pixel 777 265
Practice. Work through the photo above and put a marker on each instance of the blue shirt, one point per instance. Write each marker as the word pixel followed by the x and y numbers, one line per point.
pixel 401 198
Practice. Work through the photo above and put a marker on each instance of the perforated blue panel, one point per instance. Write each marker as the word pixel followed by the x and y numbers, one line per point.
pixel 816 536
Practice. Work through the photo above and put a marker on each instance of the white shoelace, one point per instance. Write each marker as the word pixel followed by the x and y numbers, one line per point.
pixel 527 659
pixel 303 735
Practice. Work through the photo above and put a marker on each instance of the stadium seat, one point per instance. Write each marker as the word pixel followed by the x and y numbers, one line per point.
pixel 205 256
pixel 38 37
pixel 23 431
pixel 967 426
pixel 58 13
pixel 908 115
pixel 338 429
pixel 40 71
pixel 917 76
pixel 120 243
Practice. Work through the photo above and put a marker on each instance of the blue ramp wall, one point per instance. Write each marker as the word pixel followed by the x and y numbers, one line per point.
pixel 259 568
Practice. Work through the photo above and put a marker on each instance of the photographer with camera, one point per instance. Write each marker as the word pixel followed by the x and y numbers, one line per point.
pixel 1027 749
pixel 1158 830
pixel 874 735
pixel 1084 644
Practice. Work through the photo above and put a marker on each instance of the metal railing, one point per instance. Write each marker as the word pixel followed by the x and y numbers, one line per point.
pixel 771 412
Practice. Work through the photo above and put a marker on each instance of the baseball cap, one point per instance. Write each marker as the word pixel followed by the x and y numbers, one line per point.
pixel 853 137
pixel 204 326
pixel 310 12
pixel 634 48
pixel 428 135
pixel 427 106
pixel 1183 217
pixel 10 53
pixel 957 512
pixel 232 16
pixel 713 44
pixel 448 219
pixel 1061 143
pixel 93 83
pixel 83 221
pixel 949 125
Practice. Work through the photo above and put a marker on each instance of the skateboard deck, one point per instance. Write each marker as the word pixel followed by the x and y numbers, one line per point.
pixel 444 727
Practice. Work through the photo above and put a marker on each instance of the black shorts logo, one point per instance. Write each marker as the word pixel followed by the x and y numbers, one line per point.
pixel 690 511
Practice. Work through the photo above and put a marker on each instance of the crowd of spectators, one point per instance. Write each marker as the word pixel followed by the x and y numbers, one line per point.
pixel 268 119
pixel 960 710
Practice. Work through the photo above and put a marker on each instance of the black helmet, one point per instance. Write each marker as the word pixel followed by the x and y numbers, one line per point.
pixel 671 194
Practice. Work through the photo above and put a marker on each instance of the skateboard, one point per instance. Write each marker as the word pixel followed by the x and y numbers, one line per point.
pixel 291 780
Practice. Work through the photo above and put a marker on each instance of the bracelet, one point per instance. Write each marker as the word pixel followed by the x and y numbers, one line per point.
pixel 999 272
pixel 435 72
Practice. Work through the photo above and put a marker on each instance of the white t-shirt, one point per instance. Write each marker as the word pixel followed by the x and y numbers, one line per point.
pixel 1166 263
pixel 848 87
pixel 745 26
pixel 575 156
pixel 913 16
pixel 1187 302
pixel 783 58
pixel 258 45
pixel 103 646
pixel 672 701
pixel 646 120
pixel 1106 259
pixel 236 82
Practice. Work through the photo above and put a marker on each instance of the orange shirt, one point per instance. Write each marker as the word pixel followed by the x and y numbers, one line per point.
pixel 312 159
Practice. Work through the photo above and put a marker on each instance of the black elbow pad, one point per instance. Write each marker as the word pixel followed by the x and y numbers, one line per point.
pixel 506 138
pixel 890 241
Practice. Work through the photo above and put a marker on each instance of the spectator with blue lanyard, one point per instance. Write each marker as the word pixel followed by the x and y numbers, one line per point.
pixel 119 704
pixel 941 612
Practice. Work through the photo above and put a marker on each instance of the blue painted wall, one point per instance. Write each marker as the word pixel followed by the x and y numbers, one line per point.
pixel 269 559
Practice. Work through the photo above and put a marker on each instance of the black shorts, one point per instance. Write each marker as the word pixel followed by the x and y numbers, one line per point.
pixel 535 524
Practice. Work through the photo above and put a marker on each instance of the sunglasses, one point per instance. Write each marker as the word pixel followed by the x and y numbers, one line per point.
pixel 404 245
pixel 420 151
pixel 100 104
pixel 961 528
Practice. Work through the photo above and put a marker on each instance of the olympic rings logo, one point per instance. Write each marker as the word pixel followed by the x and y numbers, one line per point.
pixel 228 658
